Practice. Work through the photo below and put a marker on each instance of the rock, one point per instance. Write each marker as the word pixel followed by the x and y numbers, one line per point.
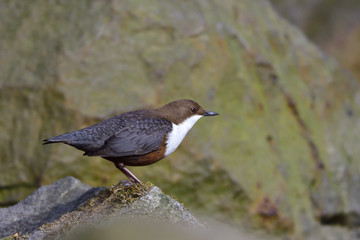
pixel 333 26
pixel 46 204
pixel 283 154
pixel 66 205
pixel 335 233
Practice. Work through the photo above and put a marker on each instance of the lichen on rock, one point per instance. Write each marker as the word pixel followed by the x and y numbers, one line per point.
pixel 88 207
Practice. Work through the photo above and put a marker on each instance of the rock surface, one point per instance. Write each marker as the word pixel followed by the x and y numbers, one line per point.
pixel 57 210
pixel 46 204
pixel 332 25
pixel 283 154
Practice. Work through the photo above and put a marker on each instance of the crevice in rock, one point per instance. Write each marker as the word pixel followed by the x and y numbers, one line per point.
pixel 349 220
pixel 10 192
pixel 271 74
pixel 17 185
pixel 305 130
pixel 7 203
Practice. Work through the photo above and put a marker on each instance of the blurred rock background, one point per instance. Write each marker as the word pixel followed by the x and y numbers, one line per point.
pixel 333 25
pixel 282 156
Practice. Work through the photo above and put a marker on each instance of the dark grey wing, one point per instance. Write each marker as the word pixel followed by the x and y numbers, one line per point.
pixel 93 137
pixel 144 136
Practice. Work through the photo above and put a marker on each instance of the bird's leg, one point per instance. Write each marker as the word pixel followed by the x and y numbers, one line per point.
pixel 127 172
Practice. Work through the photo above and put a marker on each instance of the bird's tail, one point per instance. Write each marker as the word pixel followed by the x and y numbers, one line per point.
pixel 48 141
pixel 58 139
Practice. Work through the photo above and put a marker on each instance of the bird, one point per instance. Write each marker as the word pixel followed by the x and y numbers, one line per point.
pixel 137 138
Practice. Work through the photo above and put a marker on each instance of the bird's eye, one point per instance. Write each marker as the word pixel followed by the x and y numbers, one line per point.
pixel 193 110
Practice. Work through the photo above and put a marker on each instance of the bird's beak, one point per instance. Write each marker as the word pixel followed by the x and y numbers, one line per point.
pixel 209 114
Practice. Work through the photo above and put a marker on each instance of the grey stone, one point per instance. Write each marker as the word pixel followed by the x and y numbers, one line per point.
pixel 105 210
pixel 46 204
pixel 57 210
pixel 157 204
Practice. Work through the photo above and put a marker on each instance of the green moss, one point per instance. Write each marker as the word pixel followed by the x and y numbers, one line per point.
pixel 104 203
pixel 126 195
pixel 96 201
pixel 120 195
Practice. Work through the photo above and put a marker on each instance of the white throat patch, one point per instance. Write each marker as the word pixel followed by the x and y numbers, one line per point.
pixel 178 133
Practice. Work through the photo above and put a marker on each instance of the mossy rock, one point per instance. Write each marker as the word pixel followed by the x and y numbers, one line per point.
pixel 288 130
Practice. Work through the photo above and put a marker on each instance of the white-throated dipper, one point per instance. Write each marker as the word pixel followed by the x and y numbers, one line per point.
pixel 139 137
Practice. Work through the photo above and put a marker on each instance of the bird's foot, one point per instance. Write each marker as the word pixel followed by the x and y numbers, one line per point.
pixel 125 183
pixel 133 179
